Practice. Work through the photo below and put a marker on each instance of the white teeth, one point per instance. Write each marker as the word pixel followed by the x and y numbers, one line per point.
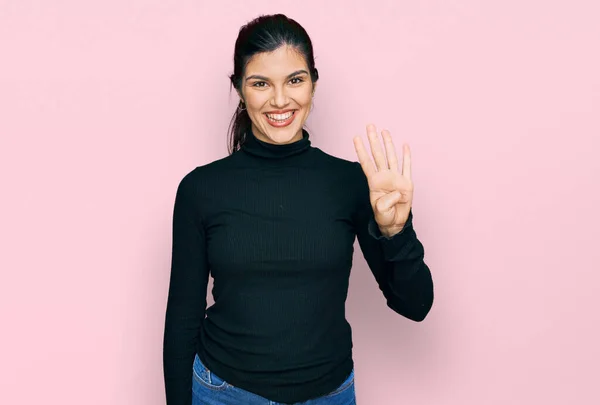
pixel 280 117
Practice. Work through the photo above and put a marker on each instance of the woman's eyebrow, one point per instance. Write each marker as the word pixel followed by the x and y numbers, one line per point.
pixel 297 72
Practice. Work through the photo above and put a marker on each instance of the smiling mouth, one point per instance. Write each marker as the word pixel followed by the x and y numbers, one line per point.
pixel 281 120
pixel 280 117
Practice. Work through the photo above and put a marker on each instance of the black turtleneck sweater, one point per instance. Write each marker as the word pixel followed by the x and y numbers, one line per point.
pixel 275 226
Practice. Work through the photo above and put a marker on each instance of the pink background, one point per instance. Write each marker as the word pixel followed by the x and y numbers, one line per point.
pixel 105 105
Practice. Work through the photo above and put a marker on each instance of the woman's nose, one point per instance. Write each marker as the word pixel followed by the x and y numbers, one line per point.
pixel 280 99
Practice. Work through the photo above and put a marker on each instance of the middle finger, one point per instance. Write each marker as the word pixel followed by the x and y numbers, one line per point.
pixel 376 150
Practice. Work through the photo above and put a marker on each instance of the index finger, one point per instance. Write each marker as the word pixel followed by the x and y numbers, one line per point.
pixel 363 157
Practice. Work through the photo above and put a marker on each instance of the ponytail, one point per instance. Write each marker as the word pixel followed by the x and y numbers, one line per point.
pixel 238 127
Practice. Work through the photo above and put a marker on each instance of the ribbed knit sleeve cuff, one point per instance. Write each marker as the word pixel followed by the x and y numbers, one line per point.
pixel 394 247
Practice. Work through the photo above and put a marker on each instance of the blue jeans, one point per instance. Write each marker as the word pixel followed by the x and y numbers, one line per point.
pixel 209 389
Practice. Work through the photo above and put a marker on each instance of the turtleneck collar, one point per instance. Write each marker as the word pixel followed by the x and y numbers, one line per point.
pixel 256 147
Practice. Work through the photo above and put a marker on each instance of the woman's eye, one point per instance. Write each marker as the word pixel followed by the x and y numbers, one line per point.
pixel 263 84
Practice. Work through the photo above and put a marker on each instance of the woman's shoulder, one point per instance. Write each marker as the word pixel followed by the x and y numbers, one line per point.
pixel 337 162
pixel 207 169
pixel 349 172
pixel 207 175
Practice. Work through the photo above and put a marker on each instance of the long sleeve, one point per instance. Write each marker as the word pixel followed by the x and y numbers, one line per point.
pixel 397 262
pixel 186 302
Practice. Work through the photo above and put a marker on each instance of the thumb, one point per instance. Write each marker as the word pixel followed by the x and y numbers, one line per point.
pixel 386 202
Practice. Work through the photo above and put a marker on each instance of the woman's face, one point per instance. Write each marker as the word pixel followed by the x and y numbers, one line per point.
pixel 278 83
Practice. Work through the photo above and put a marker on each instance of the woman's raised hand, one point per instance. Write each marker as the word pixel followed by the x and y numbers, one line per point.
pixel 390 186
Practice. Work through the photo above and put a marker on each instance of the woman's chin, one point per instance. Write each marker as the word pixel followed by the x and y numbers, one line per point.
pixel 283 135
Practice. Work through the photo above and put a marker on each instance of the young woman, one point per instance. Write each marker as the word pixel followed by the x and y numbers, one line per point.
pixel 274 223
